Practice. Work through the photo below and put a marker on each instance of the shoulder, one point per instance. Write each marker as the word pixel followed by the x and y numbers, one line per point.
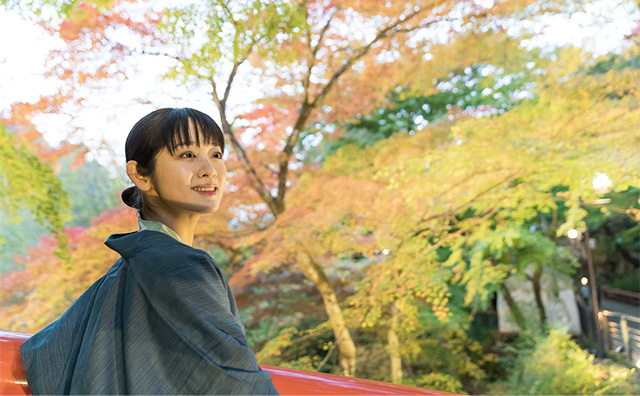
pixel 152 254
pixel 169 271
pixel 152 244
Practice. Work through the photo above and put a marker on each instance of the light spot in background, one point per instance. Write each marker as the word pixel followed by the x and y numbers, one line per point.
pixel 602 183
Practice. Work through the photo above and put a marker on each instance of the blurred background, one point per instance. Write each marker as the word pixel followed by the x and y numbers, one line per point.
pixel 439 193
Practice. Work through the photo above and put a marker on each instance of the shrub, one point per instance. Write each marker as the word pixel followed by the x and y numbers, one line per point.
pixel 557 366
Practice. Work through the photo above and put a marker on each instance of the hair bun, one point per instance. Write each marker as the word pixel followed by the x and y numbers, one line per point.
pixel 132 197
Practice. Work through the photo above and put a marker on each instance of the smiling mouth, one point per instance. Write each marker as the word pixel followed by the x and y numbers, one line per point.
pixel 206 190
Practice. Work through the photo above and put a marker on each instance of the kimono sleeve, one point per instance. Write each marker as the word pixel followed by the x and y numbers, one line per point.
pixel 195 340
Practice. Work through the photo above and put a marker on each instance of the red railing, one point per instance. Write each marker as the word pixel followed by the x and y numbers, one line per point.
pixel 287 381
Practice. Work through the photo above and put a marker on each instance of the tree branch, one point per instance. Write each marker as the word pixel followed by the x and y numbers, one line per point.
pixel 225 6
pixel 307 106
pixel 388 31
pixel 470 202
pixel 255 180
pixel 232 75
pixel 313 51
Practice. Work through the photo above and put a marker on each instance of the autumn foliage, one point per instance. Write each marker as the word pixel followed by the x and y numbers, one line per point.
pixel 383 185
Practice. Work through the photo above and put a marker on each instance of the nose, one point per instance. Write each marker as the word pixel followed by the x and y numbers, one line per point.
pixel 206 168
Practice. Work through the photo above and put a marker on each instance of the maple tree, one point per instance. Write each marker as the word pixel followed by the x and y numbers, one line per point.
pixel 306 51
pixel 455 203
pixel 452 204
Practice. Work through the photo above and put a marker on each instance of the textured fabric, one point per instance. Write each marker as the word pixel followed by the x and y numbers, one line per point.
pixel 161 321
pixel 155 226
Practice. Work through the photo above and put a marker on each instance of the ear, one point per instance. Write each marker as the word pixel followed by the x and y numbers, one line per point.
pixel 142 182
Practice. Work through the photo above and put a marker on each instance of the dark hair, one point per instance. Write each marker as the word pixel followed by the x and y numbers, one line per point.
pixel 165 128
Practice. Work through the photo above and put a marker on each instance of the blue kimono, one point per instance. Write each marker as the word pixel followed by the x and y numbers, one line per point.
pixel 161 321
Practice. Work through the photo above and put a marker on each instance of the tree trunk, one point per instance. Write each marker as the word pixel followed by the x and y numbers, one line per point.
pixel 535 280
pixel 345 343
pixel 394 346
pixel 515 311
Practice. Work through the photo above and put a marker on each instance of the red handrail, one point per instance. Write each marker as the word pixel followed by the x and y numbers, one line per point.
pixel 287 381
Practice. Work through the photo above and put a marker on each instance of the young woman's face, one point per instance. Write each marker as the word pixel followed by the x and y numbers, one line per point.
pixel 191 179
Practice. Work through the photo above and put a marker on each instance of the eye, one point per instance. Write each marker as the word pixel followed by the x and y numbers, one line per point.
pixel 188 154
pixel 217 155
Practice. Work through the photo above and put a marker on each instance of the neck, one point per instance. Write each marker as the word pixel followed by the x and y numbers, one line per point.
pixel 183 224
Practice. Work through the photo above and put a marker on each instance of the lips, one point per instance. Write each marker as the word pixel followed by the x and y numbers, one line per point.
pixel 208 189
pixel 205 188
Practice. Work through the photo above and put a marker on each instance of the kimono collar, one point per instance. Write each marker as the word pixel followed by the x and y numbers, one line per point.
pixel 155 226
pixel 132 243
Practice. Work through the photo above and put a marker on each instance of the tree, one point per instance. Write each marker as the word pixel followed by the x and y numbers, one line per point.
pixel 319 55
pixel 28 183
pixel 444 206
pixel 329 56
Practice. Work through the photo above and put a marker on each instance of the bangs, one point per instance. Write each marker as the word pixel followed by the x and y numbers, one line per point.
pixel 177 128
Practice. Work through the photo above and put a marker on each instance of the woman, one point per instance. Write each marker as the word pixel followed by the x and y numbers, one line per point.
pixel 163 319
